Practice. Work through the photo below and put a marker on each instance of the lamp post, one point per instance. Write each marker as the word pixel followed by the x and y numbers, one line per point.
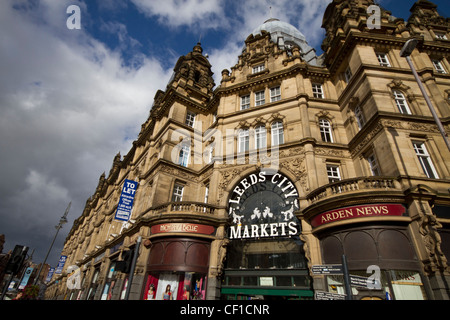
pixel 406 51
pixel 62 221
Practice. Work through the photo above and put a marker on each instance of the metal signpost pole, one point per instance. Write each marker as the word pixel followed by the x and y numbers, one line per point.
pixel 62 221
pixel 406 51
pixel 133 267
pixel 348 288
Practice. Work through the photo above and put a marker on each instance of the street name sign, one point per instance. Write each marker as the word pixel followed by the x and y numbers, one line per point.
pixel 327 269
pixel 363 282
pixel 322 295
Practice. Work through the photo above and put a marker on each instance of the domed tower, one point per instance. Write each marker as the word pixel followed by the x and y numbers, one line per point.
pixel 286 36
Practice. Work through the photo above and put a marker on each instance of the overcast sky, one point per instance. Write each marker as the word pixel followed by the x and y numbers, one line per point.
pixel 70 100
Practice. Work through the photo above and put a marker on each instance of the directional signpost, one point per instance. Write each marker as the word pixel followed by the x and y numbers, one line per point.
pixel 363 282
pixel 327 269
pixel 335 269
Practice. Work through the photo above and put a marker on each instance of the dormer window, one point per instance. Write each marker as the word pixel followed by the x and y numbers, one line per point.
pixel 259 68
pixel 440 35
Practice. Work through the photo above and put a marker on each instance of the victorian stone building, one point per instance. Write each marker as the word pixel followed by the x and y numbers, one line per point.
pixel 294 160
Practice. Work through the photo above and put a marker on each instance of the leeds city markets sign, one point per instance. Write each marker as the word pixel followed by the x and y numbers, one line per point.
pixel 262 205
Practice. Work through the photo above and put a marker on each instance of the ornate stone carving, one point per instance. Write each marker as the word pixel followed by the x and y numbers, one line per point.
pixel 428 226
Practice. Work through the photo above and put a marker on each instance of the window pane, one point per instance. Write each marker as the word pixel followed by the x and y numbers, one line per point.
pixel 317 90
pixel 190 119
pixel 258 68
pixel 359 117
pixel 383 60
pixel 277 133
pixel 333 173
pixel 425 160
pixel 260 135
pixel 245 102
pixel 259 98
pixel 401 102
pixel 184 156
pixel 243 140
pixel 275 94
pixel 177 194
pixel 325 130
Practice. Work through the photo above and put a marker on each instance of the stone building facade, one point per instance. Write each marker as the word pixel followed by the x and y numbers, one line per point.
pixel 291 162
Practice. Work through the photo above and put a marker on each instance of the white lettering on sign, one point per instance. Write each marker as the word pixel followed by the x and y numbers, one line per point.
pixel 263 205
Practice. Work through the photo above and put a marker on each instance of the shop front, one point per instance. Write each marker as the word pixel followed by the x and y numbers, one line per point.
pixel 377 245
pixel 177 267
pixel 265 258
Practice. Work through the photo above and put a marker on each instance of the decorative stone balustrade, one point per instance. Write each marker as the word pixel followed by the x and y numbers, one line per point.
pixel 376 183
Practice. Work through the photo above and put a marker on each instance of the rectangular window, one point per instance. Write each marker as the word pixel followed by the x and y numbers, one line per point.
pixel 425 160
pixel 206 194
pixel 258 68
pixel 373 165
pixel 440 35
pixel 190 119
pixel 183 158
pixel 400 100
pixel 348 75
pixel 260 98
pixel 243 140
pixel 383 60
pixel 277 133
pixel 177 194
pixel 260 137
pixel 325 130
pixel 333 173
pixel 275 94
pixel 245 102
pixel 438 66
pixel 359 117
pixel 317 90
pixel 210 151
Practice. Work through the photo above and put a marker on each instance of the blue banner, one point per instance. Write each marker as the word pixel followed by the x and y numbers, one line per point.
pixel 25 278
pixel 50 275
pixel 125 205
pixel 61 263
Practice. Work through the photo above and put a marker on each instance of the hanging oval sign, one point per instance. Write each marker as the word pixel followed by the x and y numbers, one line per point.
pixel 262 205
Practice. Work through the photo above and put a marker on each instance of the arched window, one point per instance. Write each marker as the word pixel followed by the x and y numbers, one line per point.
pixel 243 142
pixel 260 137
pixel 400 100
pixel 325 130
pixel 277 133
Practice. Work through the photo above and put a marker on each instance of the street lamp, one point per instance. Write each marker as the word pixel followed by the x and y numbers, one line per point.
pixel 406 51
pixel 62 221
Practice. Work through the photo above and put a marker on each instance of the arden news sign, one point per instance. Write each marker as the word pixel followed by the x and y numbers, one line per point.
pixel 262 205
pixel 370 210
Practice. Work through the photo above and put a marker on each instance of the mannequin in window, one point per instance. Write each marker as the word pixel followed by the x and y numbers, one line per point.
pixel 151 293
pixel 167 295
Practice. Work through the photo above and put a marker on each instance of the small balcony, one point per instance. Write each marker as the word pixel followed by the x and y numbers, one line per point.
pixel 183 207
pixel 348 186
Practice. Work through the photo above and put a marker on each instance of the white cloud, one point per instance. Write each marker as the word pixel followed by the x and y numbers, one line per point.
pixel 205 14
pixel 68 104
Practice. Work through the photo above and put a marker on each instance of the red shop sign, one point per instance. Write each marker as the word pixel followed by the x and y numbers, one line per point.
pixel 371 210
pixel 183 227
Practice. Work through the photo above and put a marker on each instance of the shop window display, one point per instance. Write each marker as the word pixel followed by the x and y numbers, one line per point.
pixel 175 286
pixel 395 285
